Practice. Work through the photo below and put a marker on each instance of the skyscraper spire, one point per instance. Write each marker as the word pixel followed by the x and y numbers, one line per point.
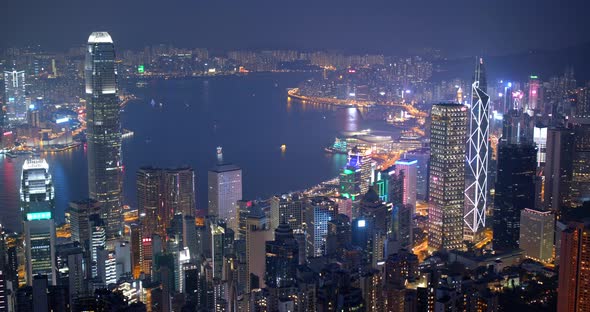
pixel 477 154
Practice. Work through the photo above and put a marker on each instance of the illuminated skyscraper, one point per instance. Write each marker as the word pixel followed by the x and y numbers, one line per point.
pixel 15 97
pixel 574 271
pixel 37 205
pixel 162 193
pixel 447 176
pixel 319 211
pixel 409 168
pixel 224 192
pixel 534 96
pixel 476 192
pixel 287 209
pixel 103 128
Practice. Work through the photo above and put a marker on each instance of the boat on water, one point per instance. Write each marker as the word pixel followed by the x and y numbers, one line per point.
pixel 153 103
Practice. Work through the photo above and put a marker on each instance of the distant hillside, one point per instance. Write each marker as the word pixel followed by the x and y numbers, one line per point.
pixel 544 63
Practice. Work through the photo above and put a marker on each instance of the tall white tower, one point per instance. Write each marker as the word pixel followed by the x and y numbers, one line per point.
pixel 476 191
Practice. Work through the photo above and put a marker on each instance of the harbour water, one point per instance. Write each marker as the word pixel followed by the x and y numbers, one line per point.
pixel 249 116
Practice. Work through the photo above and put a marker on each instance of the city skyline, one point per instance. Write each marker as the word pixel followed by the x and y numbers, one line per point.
pixel 512 30
pixel 362 178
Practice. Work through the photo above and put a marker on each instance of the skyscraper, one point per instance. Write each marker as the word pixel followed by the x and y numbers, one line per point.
pixel 558 168
pixel 103 128
pixel 409 168
pixel 515 191
pixel 319 211
pixel 162 193
pixel 447 176
pixel 15 97
pixel 37 205
pixel 476 192
pixel 224 192
pixel 574 272
pixel 288 209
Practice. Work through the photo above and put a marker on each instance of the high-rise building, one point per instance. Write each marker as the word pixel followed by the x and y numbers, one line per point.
pixel 80 212
pixel 514 191
pixel 287 208
pixel 447 176
pixel 282 258
pixel 558 168
pixel 224 192
pixel 163 193
pixel 580 186
pixel 537 229
pixel 573 294
pixel 319 211
pixel 104 129
pixel 37 204
pixel 534 94
pixel 476 192
pixel 409 168
pixel 15 97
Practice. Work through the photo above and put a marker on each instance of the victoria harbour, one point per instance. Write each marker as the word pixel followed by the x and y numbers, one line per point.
pixel 181 122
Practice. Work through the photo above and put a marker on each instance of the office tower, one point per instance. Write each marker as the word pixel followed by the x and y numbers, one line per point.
pixel 422 155
pixel 179 191
pixel 282 258
pixel 37 204
pixel 355 178
pixel 537 229
pixel 534 94
pixel 476 192
pixel 97 241
pixel 350 182
pixel 163 193
pixel 106 266
pixel 447 176
pixel 558 168
pixel 339 237
pixel 540 139
pixel 514 191
pixel 287 208
pixel 409 168
pixel 573 294
pixel 580 186
pixel 319 211
pixel 103 129
pixel 217 249
pixel 40 296
pixel 149 201
pixel 80 212
pixel 15 97
pixel 517 127
pixel 257 234
pixel 76 275
pixel 224 191
pixel 244 208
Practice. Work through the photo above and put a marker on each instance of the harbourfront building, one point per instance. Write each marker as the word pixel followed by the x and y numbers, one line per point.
pixel 224 191
pixel 104 129
pixel 447 176
pixel 37 204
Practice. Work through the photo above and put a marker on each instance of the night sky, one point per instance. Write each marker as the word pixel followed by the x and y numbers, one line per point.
pixel 458 27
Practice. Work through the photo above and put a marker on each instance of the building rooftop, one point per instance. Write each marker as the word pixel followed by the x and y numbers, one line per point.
pixel 225 168
pixel 100 37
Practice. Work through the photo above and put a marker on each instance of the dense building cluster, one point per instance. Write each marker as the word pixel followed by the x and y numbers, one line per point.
pixel 487 213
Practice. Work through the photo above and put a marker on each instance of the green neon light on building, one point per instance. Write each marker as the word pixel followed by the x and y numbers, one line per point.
pixel 140 69
pixel 33 216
